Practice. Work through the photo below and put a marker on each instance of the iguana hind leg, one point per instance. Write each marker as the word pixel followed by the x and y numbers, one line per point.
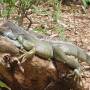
pixel 70 61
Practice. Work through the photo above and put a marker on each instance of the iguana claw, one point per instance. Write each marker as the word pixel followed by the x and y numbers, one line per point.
pixel 27 55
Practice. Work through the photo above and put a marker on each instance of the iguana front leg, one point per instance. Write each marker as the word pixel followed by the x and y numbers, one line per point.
pixel 43 48
pixel 27 46
pixel 27 55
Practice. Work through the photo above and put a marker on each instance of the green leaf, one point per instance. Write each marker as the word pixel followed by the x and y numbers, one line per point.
pixel 2 84
pixel 1 1
pixel 86 3
pixel 40 30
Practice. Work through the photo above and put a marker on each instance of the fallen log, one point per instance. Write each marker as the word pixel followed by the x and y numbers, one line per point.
pixel 40 74
pixel 8 47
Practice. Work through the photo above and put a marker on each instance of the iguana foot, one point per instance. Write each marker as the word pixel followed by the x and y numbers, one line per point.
pixel 76 73
pixel 27 55
pixel 78 76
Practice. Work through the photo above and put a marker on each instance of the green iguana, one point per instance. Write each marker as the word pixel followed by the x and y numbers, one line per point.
pixel 67 47
pixel 47 49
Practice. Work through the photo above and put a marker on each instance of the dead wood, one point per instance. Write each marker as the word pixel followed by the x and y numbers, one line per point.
pixel 7 47
pixel 40 74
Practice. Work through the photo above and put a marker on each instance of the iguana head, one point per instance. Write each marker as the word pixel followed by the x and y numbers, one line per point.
pixel 4 31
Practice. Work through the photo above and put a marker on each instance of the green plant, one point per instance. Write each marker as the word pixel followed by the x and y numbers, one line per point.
pixel 57 17
pixel 2 84
pixel 61 31
pixel 86 3
pixel 40 11
pixel 40 30
pixel 20 6
pixel 8 4
pixel 57 11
